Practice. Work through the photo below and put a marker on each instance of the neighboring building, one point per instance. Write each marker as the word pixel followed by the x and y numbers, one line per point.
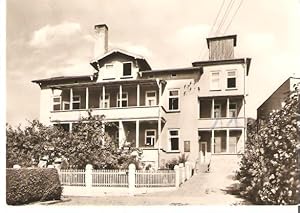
pixel 276 100
pixel 198 110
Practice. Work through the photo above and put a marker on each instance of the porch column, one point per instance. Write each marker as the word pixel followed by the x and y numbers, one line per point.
pixel 103 96
pixel 86 98
pixel 137 133
pixel 120 133
pixel 227 108
pixel 159 94
pixel 138 95
pixel 71 98
pixel 120 95
pixel 227 140
pixel 212 141
pixel 51 100
pixel 70 127
pixel 212 107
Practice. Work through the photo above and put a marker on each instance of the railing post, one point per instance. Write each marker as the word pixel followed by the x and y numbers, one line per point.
pixel 187 170
pixel 182 172
pixel 131 178
pixel 88 175
pixel 177 175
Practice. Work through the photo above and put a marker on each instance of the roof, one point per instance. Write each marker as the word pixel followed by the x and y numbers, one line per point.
pixel 127 82
pixel 59 78
pixel 171 70
pixel 223 62
pixel 120 51
pixel 222 38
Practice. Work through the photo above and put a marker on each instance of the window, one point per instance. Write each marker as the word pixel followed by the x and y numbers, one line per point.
pixel 122 102
pixel 150 98
pixel 106 103
pixel 174 139
pixel 217 110
pixel 150 137
pixel 56 103
pixel 232 110
pixel 187 146
pixel 66 105
pixel 215 81
pixel 174 100
pixel 231 79
pixel 127 68
pixel 232 144
pixel 76 101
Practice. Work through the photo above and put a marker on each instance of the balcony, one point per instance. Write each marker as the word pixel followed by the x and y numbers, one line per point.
pixel 117 113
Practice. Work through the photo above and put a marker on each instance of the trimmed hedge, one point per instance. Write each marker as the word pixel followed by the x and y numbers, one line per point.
pixel 28 185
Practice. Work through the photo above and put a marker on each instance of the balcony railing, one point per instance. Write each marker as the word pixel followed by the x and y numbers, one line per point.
pixel 134 112
pixel 221 122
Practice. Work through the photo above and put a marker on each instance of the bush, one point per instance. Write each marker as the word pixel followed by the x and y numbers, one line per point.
pixel 268 168
pixel 33 184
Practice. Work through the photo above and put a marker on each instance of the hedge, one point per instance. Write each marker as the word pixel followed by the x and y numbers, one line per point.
pixel 28 185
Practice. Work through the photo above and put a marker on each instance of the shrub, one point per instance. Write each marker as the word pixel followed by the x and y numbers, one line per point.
pixel 32 184
pixel 268 168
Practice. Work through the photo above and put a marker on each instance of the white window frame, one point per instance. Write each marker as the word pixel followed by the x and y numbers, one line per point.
pixel 75 102
pixel 122 99
pixel 227 77
pixel 153 137
pixel 174 96
pixel 231 110
pixel 106 101
pixel 64 103
pixel 151 98
pixel 127 62
pixel 56 103
pixel 173 136
pixel 212 86
pixel 220 108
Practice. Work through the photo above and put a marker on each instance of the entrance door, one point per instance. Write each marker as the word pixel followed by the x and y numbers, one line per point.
pixel 203 150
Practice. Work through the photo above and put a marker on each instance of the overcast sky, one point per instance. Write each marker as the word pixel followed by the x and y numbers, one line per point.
pixel 54 37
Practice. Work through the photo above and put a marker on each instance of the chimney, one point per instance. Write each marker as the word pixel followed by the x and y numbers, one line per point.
pixel 222 47
pixel 101 42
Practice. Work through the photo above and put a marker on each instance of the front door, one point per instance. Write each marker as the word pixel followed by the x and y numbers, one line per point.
pixel 203 150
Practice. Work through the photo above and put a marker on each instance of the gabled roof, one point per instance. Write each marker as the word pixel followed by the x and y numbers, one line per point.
pixel 139 58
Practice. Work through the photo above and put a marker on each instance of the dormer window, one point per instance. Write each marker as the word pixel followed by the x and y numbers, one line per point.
pixel 127 66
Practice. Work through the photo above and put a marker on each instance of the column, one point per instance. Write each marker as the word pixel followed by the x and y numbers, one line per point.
pixel 51 100
pixel 160 94
pixel 103 96
pixel 86 98
pixel 71 98
pixel 227 140
pixel 137 133
pixel 227 108
pixel 120 95
pixel 70 127
pixel 138 95
pixel 212 141
pixel 212 107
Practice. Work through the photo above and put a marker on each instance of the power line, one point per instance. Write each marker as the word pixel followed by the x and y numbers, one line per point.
pixel 225 15
pixel 215 21
pixel 233 17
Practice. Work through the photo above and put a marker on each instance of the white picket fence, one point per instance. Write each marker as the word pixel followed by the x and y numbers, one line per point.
pixel 130 178
pixel 110 178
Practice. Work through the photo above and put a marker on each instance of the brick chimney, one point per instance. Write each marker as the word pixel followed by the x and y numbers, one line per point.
pixel 101 42
pixel 222 47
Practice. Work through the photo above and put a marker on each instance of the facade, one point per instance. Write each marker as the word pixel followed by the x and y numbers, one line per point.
pixel 276 100
pixel 198 110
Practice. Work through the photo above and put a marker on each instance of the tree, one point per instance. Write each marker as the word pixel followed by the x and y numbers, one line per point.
pixel 268 168
pixel 88 143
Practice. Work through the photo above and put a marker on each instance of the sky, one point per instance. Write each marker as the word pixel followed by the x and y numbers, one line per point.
pixel 46 38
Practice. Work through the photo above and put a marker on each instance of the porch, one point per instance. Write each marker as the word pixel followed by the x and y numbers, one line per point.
pixel 220 141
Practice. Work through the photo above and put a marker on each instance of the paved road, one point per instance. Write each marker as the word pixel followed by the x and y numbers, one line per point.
pixel 201 189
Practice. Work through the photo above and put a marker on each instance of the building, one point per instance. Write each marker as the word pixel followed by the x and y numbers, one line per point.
pixel 198 110
pixel 276 100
